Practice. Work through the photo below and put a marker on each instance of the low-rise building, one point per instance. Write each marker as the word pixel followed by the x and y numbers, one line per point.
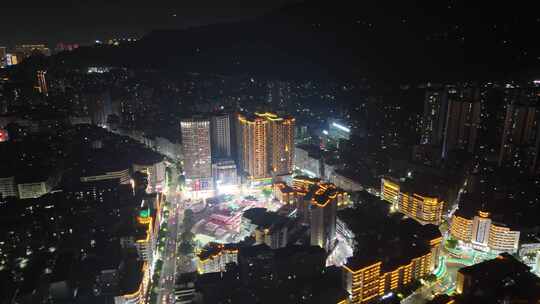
pixel 391 252
pixel 485 225
pixel 416 200
pixel 500 280
pixel 215 257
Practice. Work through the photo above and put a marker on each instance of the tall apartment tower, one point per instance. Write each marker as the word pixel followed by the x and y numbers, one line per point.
pixel 520 142
pixel 265 145
pixel 197 152
pixel 281 143
pixel 221 136
pixel 434 119
pixel 462 121
pixel 252 137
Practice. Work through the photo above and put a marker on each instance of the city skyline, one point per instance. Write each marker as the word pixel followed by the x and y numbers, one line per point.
pixel 300 152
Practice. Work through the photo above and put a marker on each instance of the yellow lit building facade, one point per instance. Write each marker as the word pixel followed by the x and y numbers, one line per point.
pixel 369 281
pixel 482 233
pixel 422 208
pixel 266 145
pixel 389 191
pixel 281 143
pixel 253 146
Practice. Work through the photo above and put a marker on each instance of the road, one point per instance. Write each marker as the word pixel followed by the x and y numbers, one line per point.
pixel 168 271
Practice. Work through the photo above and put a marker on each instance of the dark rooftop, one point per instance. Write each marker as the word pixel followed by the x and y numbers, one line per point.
pixel 390 239
pixel 502 278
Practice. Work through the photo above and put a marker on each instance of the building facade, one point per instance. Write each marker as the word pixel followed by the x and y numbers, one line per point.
pixel 215 258
pixel 425 209
pixel 122 175
pixel 323 211
pixel 197 152
pixel 482 233
pixel 520 143
pixel 370 280
pixel 433 120
pixel 462 121
pixel 265 145
pixel 221 136
pixel 8 187
pixel 253 133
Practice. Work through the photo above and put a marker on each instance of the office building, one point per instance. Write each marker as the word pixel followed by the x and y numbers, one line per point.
pixel 266 145
pixel 42 82
pixel 221 136
pixel 197 152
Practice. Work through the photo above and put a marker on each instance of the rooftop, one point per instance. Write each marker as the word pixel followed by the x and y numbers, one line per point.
pixel 388 238
pixel 502 278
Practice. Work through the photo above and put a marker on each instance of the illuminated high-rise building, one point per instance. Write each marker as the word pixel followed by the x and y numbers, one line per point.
pixel 197 152
pixel 265 145
pixel 42 82
pixel 252 146
pixel 281 143
pixel 221 136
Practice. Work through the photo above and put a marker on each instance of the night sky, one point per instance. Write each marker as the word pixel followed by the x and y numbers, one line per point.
pixel 33 21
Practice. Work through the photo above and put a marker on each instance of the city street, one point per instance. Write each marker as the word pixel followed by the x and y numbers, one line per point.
pixel 168 272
